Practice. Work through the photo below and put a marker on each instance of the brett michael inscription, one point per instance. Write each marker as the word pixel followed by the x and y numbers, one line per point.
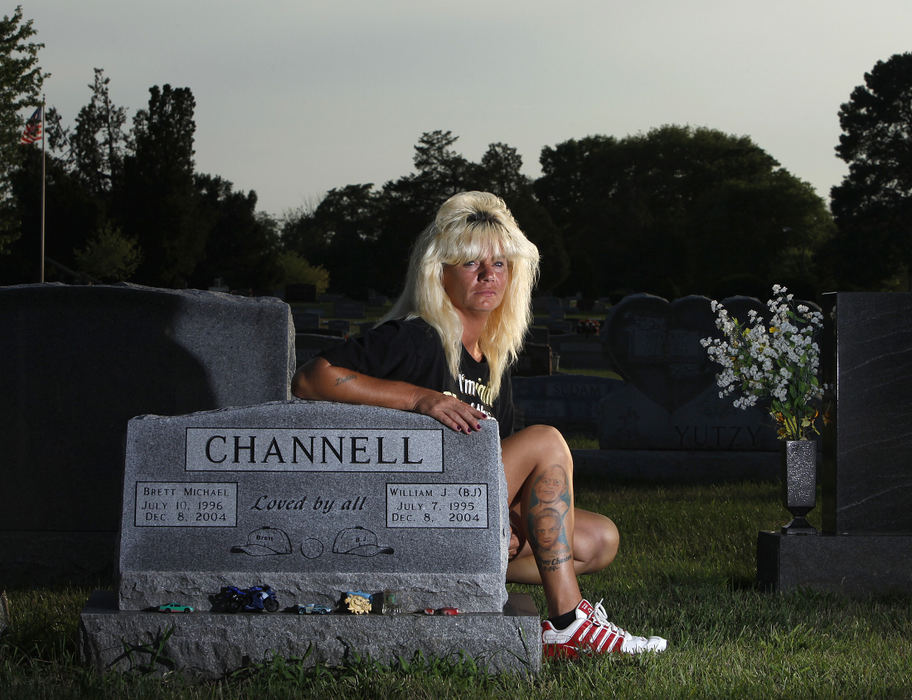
pixel 293 450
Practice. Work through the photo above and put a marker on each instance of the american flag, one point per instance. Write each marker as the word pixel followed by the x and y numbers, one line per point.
pixel 33 127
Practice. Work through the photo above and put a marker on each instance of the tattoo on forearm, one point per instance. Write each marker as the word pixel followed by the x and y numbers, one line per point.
pixel 342 380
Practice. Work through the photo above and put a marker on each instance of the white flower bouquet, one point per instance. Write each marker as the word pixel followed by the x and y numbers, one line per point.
pixel 775 364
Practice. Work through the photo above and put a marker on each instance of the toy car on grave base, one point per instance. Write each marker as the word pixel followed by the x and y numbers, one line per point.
pixel 173 608
pixel 312 609
pixel 231 599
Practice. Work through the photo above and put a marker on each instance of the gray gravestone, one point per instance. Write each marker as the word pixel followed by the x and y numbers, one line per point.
pixel 867 487
pixel 630 420
pixel 314 499
pixel 866 543
pixel 340 326
pixel 669 416
pixel 297 492
pixel 306 320
pixel 309 345
pixel 569 402
pixel 581 352
pixel 348 309
pixel 79 362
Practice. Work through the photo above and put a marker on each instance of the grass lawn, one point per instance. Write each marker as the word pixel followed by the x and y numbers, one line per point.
pixel 686 571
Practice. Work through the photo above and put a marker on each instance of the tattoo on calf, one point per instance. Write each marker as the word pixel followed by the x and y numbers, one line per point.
pixel 549 504
pixel 342 380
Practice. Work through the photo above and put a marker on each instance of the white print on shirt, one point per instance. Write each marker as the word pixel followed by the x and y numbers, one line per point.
pixel 474 389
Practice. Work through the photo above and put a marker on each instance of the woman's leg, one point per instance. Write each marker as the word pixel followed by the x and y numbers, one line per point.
pixel 539 475
pixel 595 544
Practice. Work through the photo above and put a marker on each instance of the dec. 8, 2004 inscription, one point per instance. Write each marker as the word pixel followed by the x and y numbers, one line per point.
pixel 185 504
pixel 437 505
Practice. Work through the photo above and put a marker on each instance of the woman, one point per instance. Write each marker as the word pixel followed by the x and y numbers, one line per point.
pixel 444 350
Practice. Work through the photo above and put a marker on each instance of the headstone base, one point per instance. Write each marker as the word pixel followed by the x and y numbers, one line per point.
pixel 210 645
pixel 852 564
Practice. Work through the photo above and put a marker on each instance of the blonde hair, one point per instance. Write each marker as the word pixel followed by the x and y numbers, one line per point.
pixel 471 226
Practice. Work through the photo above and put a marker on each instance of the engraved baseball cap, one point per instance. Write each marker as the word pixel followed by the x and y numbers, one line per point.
pixel 265 541
pixel 359 541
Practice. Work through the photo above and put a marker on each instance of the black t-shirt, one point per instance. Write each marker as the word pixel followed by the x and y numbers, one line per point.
pixel 411 351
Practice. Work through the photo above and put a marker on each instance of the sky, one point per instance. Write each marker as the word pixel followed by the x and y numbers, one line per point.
pixel 294 97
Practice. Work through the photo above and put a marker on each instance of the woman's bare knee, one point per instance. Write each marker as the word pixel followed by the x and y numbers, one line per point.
pixel 596 541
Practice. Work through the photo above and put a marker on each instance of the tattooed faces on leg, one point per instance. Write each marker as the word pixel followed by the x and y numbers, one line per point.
pixel 548 507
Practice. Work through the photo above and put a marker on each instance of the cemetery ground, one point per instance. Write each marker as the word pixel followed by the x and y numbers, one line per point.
pixel 686 571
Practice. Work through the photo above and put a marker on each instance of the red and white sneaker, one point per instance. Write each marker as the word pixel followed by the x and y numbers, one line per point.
pixel 591 633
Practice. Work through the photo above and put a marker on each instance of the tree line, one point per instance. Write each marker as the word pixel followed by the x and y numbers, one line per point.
pixel 676 210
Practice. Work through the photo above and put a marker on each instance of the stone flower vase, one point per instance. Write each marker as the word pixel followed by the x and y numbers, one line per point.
pixel 800 485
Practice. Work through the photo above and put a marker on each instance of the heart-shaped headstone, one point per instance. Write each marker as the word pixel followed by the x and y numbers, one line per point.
pixel 655 345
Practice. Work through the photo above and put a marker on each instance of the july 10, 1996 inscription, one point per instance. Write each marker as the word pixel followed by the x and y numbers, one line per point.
pixel 303 450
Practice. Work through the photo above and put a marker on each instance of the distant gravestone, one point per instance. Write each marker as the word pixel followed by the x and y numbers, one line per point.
pixel 566 401
pixel 306 320
pixel 581 352
pixel 539 334
pixel 78 363
pixel 558 327
pixel 309 345
pixel 348 309
pixel 536 359
pixel 339 326
pixel 669 411
pixel 544 305
pixel 315 500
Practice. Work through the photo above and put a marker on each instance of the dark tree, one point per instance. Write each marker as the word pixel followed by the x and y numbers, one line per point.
pixel 678 211
pixel 99 141
pixel 71 215
pixel 242 248
pixel 21 80
pixel 159 205
pixel 500 172
pixel 873 204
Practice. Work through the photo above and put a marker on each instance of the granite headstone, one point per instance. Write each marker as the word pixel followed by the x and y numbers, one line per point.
pixel 315 500
pixel 868 483
pixel 78 363
pixel 304 494
pixel 348 309
pixel 669 411
pixel 569 402
pixel 865 546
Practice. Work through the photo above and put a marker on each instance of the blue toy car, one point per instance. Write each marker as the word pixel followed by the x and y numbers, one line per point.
pixel 313 609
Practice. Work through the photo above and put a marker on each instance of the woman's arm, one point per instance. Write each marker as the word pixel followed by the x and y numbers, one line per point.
pixel 322 381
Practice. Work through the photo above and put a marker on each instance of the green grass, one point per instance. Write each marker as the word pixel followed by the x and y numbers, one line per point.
pixel 686 571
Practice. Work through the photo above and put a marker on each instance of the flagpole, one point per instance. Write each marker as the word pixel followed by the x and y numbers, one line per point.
pixel 43 131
